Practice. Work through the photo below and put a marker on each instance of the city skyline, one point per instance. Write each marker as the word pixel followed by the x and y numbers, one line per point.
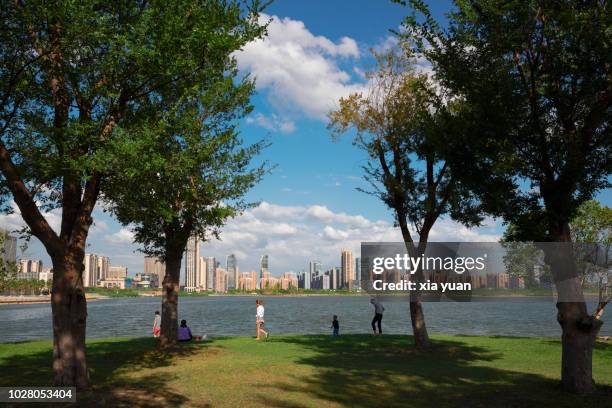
pixel 309 206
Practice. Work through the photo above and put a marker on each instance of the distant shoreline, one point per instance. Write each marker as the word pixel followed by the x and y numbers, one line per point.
pixel 93 296
pixel 18 300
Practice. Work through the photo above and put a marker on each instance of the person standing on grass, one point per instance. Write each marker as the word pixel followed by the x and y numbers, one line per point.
pixel 336 327
pixel 378 315
pixel 157 324
pixel 259 319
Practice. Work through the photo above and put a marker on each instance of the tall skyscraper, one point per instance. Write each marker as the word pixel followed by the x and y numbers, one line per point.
pixel 95 267
pixel 211 265
pixel 192 263
pixel 155 266
pixel 103 265
pixel 201 278
pixel 220 280
pixel 263 266
pixel 29 266
pixel 358 272
pixel 314 269
pixel 231 266
pixel 247 281
pixel 8 248
pixel 348 268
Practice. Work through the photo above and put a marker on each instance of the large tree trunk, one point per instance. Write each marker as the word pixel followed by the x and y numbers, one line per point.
pixel 417 317
pixel 170 292
pixel 578 329
pixel 69 310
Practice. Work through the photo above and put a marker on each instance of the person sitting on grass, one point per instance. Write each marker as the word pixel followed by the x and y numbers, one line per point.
pixel 184 333
pixel 336 327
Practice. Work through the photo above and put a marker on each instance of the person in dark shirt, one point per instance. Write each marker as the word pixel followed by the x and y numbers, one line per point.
pixel 184 333
pixel 336 326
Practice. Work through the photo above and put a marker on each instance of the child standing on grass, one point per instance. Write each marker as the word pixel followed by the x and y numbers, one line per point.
pixel 157 324
pixel 336 327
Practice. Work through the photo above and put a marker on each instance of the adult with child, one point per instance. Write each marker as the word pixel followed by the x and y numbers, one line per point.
pixel 378 315
pixel 259 319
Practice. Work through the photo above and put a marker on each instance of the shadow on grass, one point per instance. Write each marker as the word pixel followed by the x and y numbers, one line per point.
pixel 107 361
pixel 361 371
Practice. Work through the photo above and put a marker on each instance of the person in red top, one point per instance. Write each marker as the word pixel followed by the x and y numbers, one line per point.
pixel 157 324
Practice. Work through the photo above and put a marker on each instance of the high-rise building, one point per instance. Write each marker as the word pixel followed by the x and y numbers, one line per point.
pixel 201 278
pixel 192 264
pixel 211 265
pixel 154 266
pixel 8 249
pixel 348 268
pixel 325 282
pixel 357 273
pixel 103 265
pixel 267 281
pixel 115 278
pixel 247 281
pixel 288 280
pixel 29 266
pixel 263 265
pixel 220 280
pixel 96 269
pixel 231 266
pixel 314 270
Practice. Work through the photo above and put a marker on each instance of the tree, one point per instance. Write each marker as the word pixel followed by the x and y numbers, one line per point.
pixel 535 81
pixel 75 77
pixel 591 231
pixel 399 123
pixel 8 268
pixel 195 175
pixel 521 260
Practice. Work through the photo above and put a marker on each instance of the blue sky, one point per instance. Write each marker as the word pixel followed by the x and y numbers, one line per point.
pixel 310 209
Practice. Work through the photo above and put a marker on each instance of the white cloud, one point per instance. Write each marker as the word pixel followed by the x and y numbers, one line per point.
pixel 14 222
pixel 386 44
pixel 123 236
pixel 300 70
pixel 334 234
pixel 272 123
pixel 290 235
pixel 293 235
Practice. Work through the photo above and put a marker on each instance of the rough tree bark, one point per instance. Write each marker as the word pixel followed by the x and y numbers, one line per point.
pixel 417 316
pixel 170 292
pixel 578 329
pixel 67 251
pixel 69 310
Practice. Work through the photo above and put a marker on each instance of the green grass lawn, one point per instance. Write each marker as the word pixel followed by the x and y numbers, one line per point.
pixel 319 371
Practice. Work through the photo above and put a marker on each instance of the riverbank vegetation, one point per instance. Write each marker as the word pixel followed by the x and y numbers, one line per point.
pixel 304 371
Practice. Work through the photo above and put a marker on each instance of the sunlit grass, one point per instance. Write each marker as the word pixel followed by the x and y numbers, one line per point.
pixel 314 371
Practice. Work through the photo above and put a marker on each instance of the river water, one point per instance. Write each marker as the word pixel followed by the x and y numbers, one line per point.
pixel 235 316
